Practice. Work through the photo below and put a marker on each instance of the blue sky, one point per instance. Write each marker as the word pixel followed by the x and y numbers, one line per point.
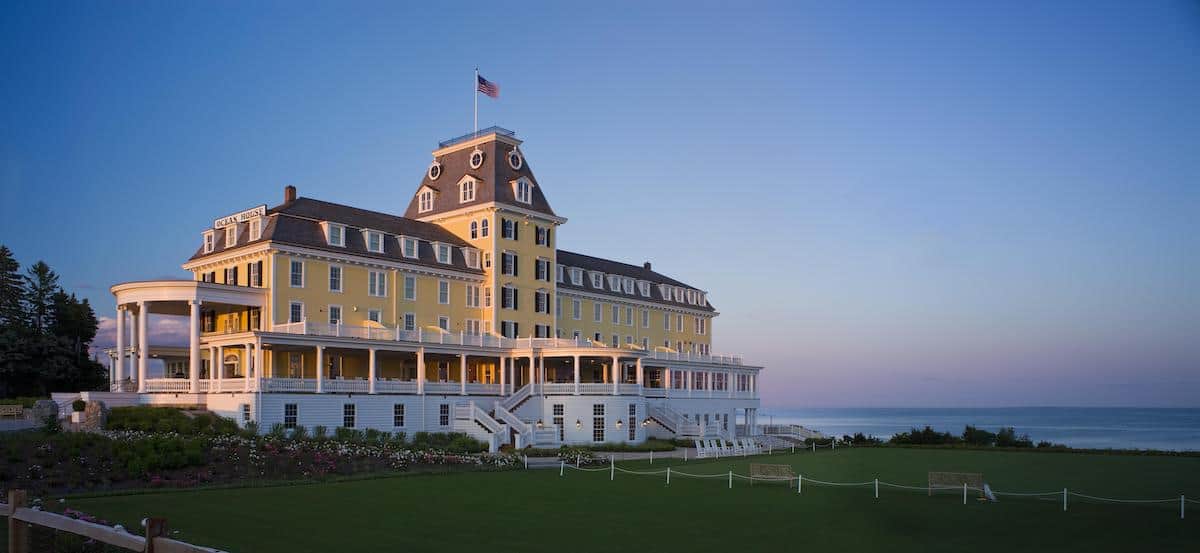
pixel 891 204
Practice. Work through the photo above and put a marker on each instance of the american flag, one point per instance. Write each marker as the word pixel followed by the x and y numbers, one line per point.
pixel 487 87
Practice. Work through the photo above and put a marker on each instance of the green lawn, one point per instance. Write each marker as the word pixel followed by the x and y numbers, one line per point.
pixel 537 510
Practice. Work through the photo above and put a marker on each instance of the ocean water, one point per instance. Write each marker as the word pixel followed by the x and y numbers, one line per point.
pixel 1120 428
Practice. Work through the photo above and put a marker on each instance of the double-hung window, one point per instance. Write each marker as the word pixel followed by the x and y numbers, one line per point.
pixel 297 276
pixel 408 247
pixel 541 302
pixel 398 415
pixel 374 241
pixel 472 295
pixel 508 229
pixel 575 309
pixel 444 292
pixel 425 201
pixel 508 264
pixel 255 227
pixel 542 269
pixel 335 278
pixel 295 312
pixel 335 234
pixel 443 253
pixel 524 194
pixel 410 287
pixel 348 415
pixel 231 235
pixel 645 318
pixel 508 297
pixel 541 236
pixel 209 241
pixel 466 191
pixel 597 310
pixel 335 315
pixel 377 283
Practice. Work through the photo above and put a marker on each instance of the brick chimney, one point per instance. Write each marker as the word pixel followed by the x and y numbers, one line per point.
pixel 289 194
pixel 646 265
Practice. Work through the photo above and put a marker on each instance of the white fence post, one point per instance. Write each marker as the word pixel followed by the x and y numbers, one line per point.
pixel 876 488
pixel 612 468
pixel 799 484
pixel 526 462
pixel 731 479
pixel 814 446
pixel 964 493
pixel 1181 501
pixel 651 456
pixel 668 476
pixel 1064 499
pixel 562 465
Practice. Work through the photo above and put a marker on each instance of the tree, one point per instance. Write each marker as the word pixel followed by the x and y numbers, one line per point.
pixel 41 283
pixel 11 289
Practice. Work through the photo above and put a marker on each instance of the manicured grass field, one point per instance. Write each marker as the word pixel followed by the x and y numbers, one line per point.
pixel 536 510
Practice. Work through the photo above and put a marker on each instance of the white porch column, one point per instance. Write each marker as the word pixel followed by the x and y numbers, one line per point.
pixel 217 370
pixel 118 366
pixel 371 371
pixel 503 376
pixel 576 375
pixel 541 373
pixel 131 372
pixel 320 369
pixel 259 365
pixel 193 346
pixel 462 374
pixel 616 375
pixel 729 377
pixel 532 380
pixel 639 375
pixel 143 345
pixel 708 382
pixel 666 381
pixel 248 367
pixel 421 371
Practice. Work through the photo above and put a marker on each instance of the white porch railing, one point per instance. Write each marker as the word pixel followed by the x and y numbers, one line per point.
pixel 511 402
pixel 168 385
pixel 396 386
pixel 289 384
pixel 479 388
pixel 629 389
pixel 593 388
pixel 341 385
pixel 695 357
pixel 654 392
pixel 421 335
pixel 442 388
pixel 226 385
pixel 557 388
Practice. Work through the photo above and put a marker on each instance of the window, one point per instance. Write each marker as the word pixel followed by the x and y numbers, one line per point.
pixel 443 253
pixel 577 276
pixel 508 297
pixel 628 316
pixel 335 314
pixel 231 235
pixel 541 331
pixel 597 309
pixel 398 415
pixel 297 279
pixel 542 269
pixel 541 236
pixel 476 158
pixel 541 302
pixel 678 323
pixel 425 201
pixel 614 283
pixel 644 288
pixel 487 296
pixel 471 256
pixel 598 423
pixel 691 297
pixel 348 415
pixel 255 273
pixel 645 343
pixel 678 292
pixel 645 318
pixel 558 412
pixel 410 321
pixel 483 228
pixel 245 413
pixel 633 421
pixel 508 264
pixel 255 229
pixel 524 191
pixel 597 280
pixel 255 316
pixel 509 329
pixel 410 287
pixel 444 323
pixel 377 283
pixel 209 242
pixel 575 309
pixel 616 314
pixel 444 414
pixel 444 292
pixel 596 338
pixel 290 414
pixel 231 275
pixel 335 278
pixel 295 365
pixel 472 295
pixel 374 241
pixel 487 260
pixel 666 321
pixel 474 230
pixel 616 341
pixel 295 312
pixel 375 315
pixel 471 327
pixel 408 247
pixel 558 307
pixel 509 230
pixel 701 326
pixel 466 191
pixel 335 234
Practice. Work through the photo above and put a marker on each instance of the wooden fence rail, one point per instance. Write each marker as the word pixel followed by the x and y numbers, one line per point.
pixel 21 517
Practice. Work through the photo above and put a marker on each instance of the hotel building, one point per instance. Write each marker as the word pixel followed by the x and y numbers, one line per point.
pixel 461 315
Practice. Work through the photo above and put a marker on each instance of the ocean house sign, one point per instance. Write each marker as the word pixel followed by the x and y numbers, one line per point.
pixel 240 217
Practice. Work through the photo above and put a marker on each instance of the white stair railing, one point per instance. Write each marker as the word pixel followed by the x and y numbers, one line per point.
pixel 511 402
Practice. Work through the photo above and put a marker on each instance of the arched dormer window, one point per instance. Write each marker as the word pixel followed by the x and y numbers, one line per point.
pixel 425 201
pixel 523 190
pixel 466 190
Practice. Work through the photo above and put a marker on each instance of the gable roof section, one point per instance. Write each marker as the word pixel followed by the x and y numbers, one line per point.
pixel 494 177
pixel 636 272
pixel 298 223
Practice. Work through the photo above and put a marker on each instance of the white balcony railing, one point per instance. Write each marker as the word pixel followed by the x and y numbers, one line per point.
pixel 340 385
pixel 396 386
pixel 289 385
pixel 442 388
pixel 168 385
pixel 558 388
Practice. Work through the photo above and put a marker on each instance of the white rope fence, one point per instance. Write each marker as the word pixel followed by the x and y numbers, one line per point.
pixel 668 472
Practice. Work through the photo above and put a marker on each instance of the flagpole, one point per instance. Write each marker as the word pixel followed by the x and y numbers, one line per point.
pixel 475 94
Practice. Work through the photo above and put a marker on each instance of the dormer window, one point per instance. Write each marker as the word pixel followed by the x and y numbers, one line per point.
pixel 514 159
pixel 231 236
pixel 597 280
pixel 476 158
pixel 644 288
pixel 664 291
pixel 209 241
pixel 472 257
pixel 466 190
pixel 255 229
pixel 523 190
pixel 627 285
pixel 435 170
pixel 425 200
pixel 408 247
pixel 576 276
pixel 702 298
pixel 374 241
pixel 614 283
pixel 335 234
pixel 443 253
pixel 679 295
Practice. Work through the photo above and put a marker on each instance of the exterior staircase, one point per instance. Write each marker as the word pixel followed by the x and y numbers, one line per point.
pixel 675 422
pixel 473 421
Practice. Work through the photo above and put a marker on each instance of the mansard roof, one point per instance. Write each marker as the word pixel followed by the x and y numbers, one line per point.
pixel 494 176
pixel 568 259
pixel 298 223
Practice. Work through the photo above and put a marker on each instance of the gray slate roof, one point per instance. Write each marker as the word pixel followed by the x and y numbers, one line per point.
pixel 637 272
pixel 495 176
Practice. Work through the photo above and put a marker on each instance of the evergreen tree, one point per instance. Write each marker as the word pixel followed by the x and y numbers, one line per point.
pixel 41 283
pixel 11 290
